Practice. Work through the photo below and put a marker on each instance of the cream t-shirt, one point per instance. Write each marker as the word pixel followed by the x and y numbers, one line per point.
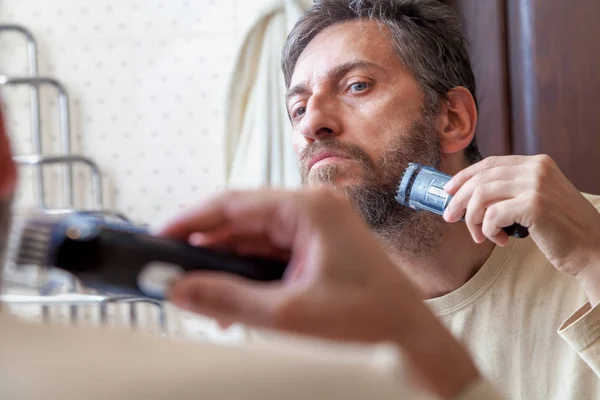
pixel 509 315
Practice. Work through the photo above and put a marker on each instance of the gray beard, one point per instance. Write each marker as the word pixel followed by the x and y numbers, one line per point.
pixel 402 230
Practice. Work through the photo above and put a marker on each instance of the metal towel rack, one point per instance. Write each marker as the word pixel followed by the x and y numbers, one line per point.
pixel 65 128
pixel 67 291
pixel 34 96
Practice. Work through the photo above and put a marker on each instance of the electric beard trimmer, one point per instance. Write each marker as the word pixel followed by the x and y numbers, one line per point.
pixel 422 188
pixel 123 259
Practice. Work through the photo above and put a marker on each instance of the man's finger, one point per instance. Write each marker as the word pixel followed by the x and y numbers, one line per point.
pixel 501 215
pixel 205 216
pixel 228 297
pixel 476 194
pixel 242 212
pixel 217 237
pixel 466 174
pixel 483 197
pixel 255 245
pixel 223 324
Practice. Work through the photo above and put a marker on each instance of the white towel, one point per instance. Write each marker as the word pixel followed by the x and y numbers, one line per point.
pixel 258 149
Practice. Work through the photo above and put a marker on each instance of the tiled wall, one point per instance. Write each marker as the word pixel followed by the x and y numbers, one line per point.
pixel 147 81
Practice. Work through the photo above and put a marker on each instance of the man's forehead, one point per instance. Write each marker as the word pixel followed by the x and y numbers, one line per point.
pixel 343 43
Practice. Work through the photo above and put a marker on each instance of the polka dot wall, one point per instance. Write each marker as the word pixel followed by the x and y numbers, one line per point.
pixel 146 81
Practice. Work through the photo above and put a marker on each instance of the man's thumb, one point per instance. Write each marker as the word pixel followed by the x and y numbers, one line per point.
pixel 228 297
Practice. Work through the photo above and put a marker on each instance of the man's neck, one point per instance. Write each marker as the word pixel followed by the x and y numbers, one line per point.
pixel 448 268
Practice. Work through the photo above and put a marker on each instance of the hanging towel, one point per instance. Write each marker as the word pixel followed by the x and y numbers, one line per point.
pixel 258 144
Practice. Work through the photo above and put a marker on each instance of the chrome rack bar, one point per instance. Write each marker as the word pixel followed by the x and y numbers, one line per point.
pixel 65 121
pixel 34 98
pixel 69 159
pixel 76 299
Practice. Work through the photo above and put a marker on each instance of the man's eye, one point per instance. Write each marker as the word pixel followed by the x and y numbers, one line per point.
pixel 300 111
pixel 359 87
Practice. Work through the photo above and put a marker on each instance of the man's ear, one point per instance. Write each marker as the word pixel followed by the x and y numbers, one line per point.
pixel 457 120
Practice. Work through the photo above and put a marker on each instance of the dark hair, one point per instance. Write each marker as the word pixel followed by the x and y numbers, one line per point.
pixel 426 35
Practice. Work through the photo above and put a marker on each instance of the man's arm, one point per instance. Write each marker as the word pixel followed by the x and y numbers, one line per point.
pixel 564 223
pixel 582 329
pixel 533 192
pixel 340 283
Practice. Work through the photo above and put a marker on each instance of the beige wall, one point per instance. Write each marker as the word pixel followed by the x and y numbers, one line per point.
pixel 146 80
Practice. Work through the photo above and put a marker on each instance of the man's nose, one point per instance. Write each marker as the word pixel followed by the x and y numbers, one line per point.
pixel 321 120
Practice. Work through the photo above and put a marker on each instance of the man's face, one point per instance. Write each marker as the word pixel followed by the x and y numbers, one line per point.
pixel 359 119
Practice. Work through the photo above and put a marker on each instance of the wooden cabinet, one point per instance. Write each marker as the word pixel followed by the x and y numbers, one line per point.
pixel 537 64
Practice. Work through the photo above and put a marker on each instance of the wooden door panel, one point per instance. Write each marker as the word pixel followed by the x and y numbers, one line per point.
pixel 555 81
pixel 484 27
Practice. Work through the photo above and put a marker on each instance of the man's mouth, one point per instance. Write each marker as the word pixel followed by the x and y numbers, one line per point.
pixel 325 157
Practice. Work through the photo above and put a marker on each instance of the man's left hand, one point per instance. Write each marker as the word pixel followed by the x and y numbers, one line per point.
pixel 531 191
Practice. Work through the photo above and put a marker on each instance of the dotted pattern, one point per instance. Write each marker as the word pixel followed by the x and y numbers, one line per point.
pixel 147 82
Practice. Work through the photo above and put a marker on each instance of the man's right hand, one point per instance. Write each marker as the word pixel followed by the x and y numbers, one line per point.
pixel 340 283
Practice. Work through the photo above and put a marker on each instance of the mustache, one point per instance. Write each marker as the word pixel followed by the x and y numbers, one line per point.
pixel 349 150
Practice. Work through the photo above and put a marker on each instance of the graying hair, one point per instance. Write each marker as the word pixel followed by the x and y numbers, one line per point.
pixel 425 33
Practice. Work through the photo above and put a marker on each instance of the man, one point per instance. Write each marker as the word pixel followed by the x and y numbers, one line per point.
pixel 327 276
pixel 60 362
pixel 330 250
pixel 373 85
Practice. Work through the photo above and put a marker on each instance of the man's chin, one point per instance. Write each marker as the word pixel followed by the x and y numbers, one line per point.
pixel 335 174
pixel 333 183
pixel 333 180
